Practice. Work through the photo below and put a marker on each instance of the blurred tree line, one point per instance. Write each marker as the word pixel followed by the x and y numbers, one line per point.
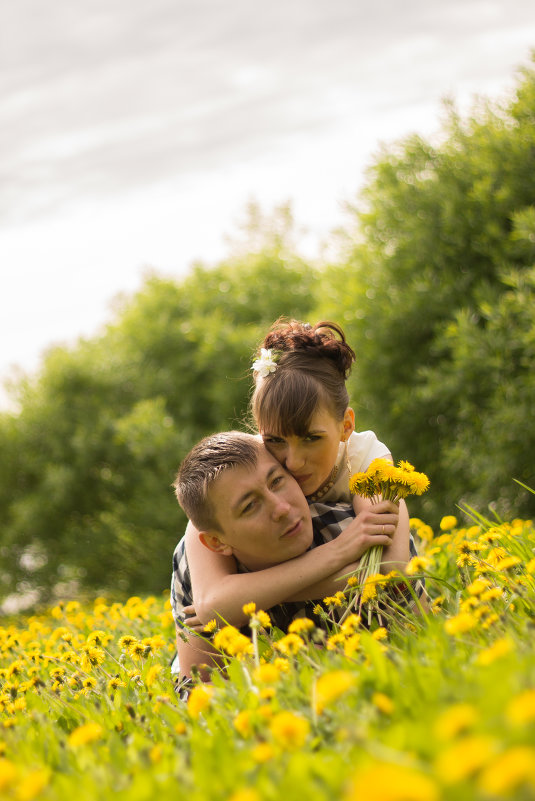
pixel 434 284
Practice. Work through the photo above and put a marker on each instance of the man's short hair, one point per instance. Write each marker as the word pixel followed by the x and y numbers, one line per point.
pixel 204 464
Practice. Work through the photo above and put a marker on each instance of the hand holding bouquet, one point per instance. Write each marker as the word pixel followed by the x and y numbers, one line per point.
pixel 384 481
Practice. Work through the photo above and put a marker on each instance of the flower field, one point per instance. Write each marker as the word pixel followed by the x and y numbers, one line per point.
pixel 419 707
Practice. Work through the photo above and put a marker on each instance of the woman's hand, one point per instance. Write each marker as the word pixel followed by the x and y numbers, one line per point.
pixel 191 620
pixel 374 525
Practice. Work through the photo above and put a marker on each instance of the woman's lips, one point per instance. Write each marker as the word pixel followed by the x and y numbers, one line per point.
pixel 302 479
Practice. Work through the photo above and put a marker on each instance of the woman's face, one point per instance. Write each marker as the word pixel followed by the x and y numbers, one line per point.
pixel 311 458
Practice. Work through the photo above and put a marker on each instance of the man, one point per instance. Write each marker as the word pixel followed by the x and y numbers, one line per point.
pixel 245 505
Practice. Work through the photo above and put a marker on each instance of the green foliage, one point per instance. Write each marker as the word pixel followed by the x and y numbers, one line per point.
pixel 89 460
pixel 436 295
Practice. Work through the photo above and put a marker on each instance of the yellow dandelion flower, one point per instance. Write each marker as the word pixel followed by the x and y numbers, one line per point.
pixel 384 781
pixel 478 586
pixel 521 709
pixel 497 650
pixel 448 522
pixel 267 693
pixel 415 523
pixel 492 594
pixel 460 623
pixel 92 656
pixel 507 563
pixel 115 684
pixel 85 734
pixel 380 633
pixel 243 724
pixel 418 483
pixel 358 483
pixel 418 564
pixel 249 609
pixel 180 727
pixel 99 638
pixel 33 784
pixel 8 773
pixel 465 758
pixel 509 771
pixel 455 720
pixel 383 703
pixel 262 752
pixel 496 555
pixel 350 624
pixel 530 567
pixel 426 534
pixel 300 625
pixel 336 639
pixel 282 664
pixel 200 699
pixel 232 641
pixel 210 626
pixel 290 644
pixel 89 683
pixel 267 674
pixel 245 794
pixel 332 600
pixel 126 641
pixel 351 644
pixel 263 618
pixel 330 687
pixel 152 674
pixel 370 587
pixel 155 754
pixel 289 730
pixel 138 650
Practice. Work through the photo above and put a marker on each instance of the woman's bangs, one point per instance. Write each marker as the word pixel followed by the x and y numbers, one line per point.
pixel 287 406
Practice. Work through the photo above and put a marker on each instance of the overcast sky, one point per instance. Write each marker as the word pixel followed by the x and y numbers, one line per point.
pixel 133 133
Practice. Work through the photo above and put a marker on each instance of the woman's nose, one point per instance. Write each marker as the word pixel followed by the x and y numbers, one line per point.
pixel 294 459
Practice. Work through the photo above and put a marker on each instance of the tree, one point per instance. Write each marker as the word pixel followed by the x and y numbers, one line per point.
pixel 440 232
pixel 89 459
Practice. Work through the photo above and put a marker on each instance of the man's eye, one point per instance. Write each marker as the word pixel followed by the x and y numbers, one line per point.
pixel 248 508
pixel 312 437
pixel 274 440
pixel 277 480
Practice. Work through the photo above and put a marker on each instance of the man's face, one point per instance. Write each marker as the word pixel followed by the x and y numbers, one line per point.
pixel 262 513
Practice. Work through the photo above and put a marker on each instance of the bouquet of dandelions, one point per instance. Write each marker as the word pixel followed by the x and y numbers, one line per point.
pixel 384 481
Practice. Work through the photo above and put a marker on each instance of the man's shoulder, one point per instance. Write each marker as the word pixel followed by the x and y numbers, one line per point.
pixel 329 520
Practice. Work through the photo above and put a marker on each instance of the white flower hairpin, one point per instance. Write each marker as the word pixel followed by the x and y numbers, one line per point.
pixel 266 364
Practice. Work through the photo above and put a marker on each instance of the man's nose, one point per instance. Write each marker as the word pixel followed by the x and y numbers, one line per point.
pixel 280 506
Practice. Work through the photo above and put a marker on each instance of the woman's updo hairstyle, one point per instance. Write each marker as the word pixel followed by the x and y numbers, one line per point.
pixel 313 363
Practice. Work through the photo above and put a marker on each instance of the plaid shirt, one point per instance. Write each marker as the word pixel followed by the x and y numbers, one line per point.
pixel 328 521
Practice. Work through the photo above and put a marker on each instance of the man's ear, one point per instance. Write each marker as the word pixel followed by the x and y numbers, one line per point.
pixel 214 543
pixel 348 423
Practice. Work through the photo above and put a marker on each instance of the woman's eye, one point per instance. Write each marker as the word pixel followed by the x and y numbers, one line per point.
pixel 273 441
pixel 312 437
pixel 277 480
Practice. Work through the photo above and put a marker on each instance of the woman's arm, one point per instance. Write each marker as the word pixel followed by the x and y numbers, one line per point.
pixel 195 652
pixel 219 590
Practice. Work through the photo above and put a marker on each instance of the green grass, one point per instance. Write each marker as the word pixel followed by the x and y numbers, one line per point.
pixel 439 706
